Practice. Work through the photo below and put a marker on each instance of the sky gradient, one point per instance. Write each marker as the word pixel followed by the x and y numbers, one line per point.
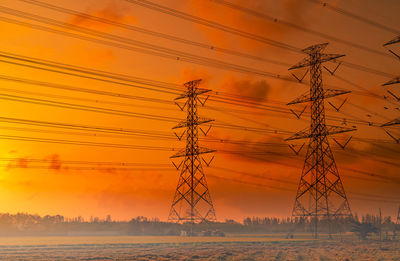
pixel 260 178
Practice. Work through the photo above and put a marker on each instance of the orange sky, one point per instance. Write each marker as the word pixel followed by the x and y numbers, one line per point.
pixel 61 189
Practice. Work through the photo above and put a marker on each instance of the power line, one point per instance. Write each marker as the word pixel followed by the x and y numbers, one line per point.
pixel 146 48
pixel 87 108
pixel 153 33
pixel 84 143
pixel 80 162
pixel 80 89
pixel 112 130
pixel 212 24
pixel 88 168
pixel 102 74
pixel 355 16
pixel 230 101
pixel 370 198
pixel 155 50
pixel 295 26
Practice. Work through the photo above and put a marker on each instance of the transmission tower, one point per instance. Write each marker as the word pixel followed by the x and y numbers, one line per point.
pixel 398 217
pixel 395 80
pixel 192 201
pixel 320 193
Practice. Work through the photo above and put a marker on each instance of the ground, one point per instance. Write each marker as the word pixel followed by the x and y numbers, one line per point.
pixel 232 247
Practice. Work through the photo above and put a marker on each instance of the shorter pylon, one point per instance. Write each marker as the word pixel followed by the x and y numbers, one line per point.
pixel 192 201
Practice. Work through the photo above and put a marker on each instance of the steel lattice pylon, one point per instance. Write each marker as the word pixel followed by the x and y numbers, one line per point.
pixel 192 201
pixel 320 192
pixel 393 81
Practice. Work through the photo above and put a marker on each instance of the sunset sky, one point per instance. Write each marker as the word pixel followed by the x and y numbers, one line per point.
pixel 254 172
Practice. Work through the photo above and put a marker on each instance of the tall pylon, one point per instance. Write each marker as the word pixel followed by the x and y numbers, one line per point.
pixel 393 81
pixel 398 217
pixel 320 193
pixel 192 201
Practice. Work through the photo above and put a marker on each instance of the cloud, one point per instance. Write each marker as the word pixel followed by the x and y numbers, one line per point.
pixel 291 10
pixel 54 162
pixel 255 89
pixel 113 11
pixel 18 163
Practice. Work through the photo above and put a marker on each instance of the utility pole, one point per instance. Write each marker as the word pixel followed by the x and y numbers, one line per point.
pixel 192 201
pixel 320 192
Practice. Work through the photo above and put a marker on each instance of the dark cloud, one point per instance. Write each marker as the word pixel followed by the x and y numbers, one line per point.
pixel 257 90
pixel 113 11
pixel 18 163
pixel 54 162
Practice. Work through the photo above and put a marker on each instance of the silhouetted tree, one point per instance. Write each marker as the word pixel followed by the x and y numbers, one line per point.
pixel 363 230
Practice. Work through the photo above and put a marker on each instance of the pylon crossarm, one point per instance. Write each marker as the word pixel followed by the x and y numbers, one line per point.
pixel 315 48
pixel 299 135
pixel 308 61
pixel 185 123
pixel 184 152
pixel 197 92
pixel 331 130
pixel 393 41
pixel 391 123
pixel 303 98
pixel 394 95
pixel 392 81
pixel 328 93
pixel 395 54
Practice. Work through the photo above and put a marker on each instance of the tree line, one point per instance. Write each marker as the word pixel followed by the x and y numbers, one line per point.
pixel 28 224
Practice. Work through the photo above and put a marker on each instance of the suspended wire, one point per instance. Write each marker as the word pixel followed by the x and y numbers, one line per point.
pixel 355 16
pixel 370 197
pixel 80 162
pixel 67 168
pixel 73 126
pixel 37 61
pixel 286 164
pixel 148 135
pixel 97 101
pixel 175 54
pixel 84 143
pixel 153 33
pixel 294 183
pixel 85 90
pixel 292 25
pixel 64 166
pixel 57 141
pixel 119 135
pixel 143 47
pixel 120 131
pixel 91 100
pixel 147 147
pixel 142 134
pixel 365 121
pixel 231 30
pixel 87 108
pixel 162 101
pixel 88 71
pixel 230 179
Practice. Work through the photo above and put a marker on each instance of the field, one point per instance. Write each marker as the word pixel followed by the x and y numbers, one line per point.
pixel 232 247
